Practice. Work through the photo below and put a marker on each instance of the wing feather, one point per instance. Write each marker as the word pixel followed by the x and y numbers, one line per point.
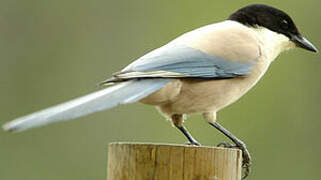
pixel 181 61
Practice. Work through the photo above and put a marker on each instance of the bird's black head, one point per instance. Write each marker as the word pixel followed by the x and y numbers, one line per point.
pixel 259 15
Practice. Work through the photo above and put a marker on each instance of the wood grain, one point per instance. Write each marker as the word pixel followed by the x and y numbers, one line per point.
pixel 139 161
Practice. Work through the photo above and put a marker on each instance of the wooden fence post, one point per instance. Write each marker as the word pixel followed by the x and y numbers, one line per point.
pixel 140 161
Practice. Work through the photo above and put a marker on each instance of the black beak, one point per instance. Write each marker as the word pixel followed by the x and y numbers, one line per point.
pixel 303 43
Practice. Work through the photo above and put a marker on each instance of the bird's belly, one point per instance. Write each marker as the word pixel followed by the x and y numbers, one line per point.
pixel 198 96
pixel 206 96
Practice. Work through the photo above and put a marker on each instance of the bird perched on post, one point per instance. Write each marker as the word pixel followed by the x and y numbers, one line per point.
pixel 201 71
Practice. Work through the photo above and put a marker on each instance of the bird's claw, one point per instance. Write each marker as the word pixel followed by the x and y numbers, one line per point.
pixel 246 169
pixel 246 158
pixel 226 145
pixel 247 161
pixel 193 144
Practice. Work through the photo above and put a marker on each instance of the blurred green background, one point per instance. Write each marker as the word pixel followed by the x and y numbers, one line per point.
pixel 53 51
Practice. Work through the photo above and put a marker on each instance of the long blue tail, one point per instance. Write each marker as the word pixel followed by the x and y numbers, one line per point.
pixel 122 93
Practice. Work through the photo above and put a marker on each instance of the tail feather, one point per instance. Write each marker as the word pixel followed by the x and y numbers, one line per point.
pixel 122 93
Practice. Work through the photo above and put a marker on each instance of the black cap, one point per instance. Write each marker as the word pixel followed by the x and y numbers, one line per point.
pixel 259 15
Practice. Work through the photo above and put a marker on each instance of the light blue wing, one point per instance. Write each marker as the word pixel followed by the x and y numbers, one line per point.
pixel 184 61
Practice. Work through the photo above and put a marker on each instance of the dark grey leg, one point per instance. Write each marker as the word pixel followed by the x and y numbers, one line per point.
pixel 177 120
pixel 239 144
pixel 190 138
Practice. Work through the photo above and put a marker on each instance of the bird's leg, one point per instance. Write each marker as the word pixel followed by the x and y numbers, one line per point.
pixel 239 144
pixel 177 120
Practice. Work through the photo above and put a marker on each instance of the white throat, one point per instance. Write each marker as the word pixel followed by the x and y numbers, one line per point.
pixel 272 43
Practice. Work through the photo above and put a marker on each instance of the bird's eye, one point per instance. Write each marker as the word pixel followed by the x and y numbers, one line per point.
pixel 284 24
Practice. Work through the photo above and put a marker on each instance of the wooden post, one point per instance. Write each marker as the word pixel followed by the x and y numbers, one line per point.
pixel 139 161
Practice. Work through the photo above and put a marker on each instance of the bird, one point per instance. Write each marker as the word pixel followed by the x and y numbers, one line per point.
pixel 199 72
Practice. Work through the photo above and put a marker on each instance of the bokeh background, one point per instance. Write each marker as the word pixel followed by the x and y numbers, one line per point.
pixel 53 51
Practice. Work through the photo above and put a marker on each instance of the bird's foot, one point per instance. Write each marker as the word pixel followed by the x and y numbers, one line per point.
pixel 226 145
pixel 194 143
pixel 246 163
